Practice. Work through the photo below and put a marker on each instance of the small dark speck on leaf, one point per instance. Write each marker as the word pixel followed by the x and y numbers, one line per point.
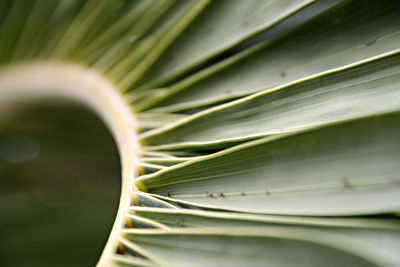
pixel 337 21
pixel 178 223
pixel 345 182
pixel 267 192
pixel 169 60
pixel 221 194
pixel 242 193
pixel 168 194
pixel 371 42
pixel 283 74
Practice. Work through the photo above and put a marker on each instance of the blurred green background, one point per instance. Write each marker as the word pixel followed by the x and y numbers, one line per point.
pixel 59 186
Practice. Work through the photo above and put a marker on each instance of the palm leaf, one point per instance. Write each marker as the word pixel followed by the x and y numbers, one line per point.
pixel 260 133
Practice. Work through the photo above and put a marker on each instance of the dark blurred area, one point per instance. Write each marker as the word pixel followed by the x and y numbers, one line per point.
pixel 59 186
